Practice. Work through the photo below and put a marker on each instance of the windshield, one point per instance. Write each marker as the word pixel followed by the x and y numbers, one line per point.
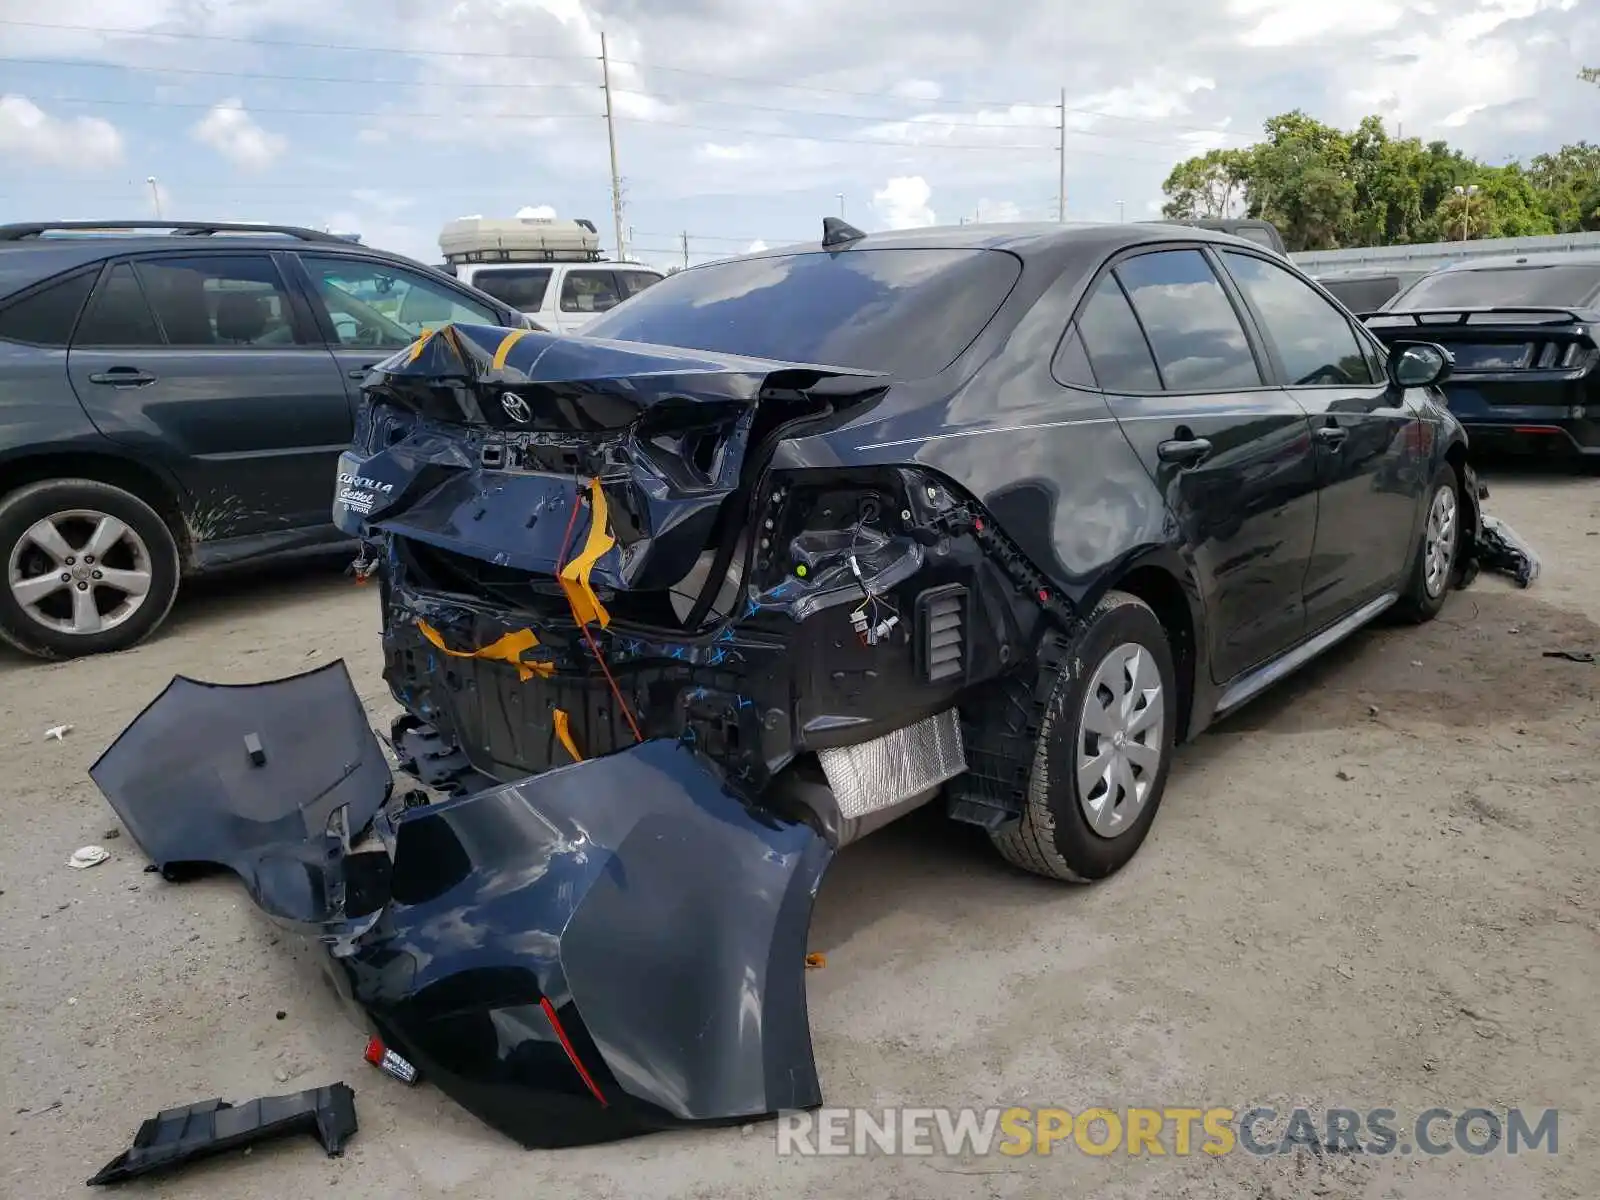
pixel 1502 287
pixel 906 312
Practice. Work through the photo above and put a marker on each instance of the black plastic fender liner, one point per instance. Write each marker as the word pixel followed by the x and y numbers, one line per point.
pixel 182 1135
pixel 608 948
pixel 185 780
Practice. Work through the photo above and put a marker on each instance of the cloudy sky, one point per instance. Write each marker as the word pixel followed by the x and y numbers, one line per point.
pixel 738 120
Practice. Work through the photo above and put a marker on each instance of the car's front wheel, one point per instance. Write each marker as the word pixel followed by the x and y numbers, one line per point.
pixel 88 568
pixel 1103 748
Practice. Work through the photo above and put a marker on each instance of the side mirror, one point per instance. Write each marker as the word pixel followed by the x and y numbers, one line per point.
pixel 1419 364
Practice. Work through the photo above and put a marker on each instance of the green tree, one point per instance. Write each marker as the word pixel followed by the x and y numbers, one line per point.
pixel 1211 185
pixel 1566 181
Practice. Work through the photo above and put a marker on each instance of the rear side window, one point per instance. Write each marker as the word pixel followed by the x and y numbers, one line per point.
pixel 1198 340
pixel 589 292
pixel 118 313
pixel 1072 361
pixel 1115 344
pixel 908 312
pixel 1314 339
pixel 46 317
pixel 222 301
pixel 522 289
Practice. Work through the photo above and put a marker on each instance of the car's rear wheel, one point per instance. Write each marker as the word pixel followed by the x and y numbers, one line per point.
pixel 1103 748
pixel 88 568
pixel 1433 565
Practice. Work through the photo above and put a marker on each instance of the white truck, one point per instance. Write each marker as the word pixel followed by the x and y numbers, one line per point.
pixel 549 269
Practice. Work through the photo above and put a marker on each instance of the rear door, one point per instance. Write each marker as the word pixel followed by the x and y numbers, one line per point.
pixel 1229 449
pixel 369 308
pixel 208 360
pixel 1371 462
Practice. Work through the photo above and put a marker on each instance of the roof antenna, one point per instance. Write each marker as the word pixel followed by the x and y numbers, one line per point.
pixel 837 232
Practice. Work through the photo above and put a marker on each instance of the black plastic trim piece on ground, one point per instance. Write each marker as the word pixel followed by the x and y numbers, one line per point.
pixel 182 1135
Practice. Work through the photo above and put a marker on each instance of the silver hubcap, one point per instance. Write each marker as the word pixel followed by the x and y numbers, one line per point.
pixel 1440 547
pixel 79 571
pixel 1119 739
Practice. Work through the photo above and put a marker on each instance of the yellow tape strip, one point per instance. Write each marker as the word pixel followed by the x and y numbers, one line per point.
pixel 418 345
pixel 508 649
pixel 510 340
pixel 564 735
pixel 586 606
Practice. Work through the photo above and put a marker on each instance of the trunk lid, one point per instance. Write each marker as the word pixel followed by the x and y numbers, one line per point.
pixel 518 449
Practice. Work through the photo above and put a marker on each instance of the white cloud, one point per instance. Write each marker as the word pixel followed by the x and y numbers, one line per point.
pixel 28 132
pixel 998 211
pixel 234 133
pixel 918 89
pixel 755 247
pixel 539 212
pixel 902 203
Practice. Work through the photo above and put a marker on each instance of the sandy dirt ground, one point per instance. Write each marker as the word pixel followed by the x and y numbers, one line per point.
pixel 1377 887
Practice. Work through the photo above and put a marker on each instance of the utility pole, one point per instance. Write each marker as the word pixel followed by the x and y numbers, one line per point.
pixel 685 249
pixel 1061 197
pixel 155 194
pixel 611 136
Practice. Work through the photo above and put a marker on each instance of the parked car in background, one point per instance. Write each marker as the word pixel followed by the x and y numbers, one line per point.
pixel 1525 336
pixel 174 397
pixel 1014 509
pixel 549 270
pixel 1365 289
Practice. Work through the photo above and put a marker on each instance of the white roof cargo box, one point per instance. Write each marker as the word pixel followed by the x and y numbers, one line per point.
pixel 518 239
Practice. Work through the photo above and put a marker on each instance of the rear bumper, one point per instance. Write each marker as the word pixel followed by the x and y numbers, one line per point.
pixel 1527 426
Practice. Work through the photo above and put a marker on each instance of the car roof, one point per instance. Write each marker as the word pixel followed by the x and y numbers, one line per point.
pixel 1504 262
pixel 1053 243
pixel 26 260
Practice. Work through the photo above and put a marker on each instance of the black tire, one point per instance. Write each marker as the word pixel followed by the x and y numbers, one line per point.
pixel 1418 601
pixel 1054 837
pixel 151 549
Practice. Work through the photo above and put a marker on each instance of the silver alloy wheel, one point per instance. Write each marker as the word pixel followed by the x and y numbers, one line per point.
pixel 1119 739
pixel 1439 546
pixel 79 571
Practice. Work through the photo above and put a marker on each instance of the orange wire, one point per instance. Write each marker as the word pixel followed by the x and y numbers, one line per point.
pixel 561 565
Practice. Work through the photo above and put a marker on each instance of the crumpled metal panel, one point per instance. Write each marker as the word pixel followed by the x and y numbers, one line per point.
pixel 873 776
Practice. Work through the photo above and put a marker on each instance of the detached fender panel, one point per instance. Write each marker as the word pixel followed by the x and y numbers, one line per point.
pixel 611 947
pixel 182 778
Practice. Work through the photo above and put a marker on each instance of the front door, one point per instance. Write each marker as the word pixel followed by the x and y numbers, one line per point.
pixel 1231 453
pixel 205 362
pixel 1367 439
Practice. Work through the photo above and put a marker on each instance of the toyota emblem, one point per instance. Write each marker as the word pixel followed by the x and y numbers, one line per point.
pixel 516 408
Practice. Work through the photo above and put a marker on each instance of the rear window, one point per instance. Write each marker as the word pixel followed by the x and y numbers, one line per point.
pixel 906 312
pixel 1503 287
pixel 523 288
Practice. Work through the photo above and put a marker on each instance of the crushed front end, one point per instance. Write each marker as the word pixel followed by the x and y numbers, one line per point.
pixel 584 545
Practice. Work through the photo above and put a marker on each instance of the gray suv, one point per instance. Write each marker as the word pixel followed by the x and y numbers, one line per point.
pixel 174 397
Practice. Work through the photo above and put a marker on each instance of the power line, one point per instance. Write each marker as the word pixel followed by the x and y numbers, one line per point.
pixel 765 84
pixel 888 118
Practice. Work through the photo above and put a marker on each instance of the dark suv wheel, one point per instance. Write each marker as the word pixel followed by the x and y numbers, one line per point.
pixel 88 568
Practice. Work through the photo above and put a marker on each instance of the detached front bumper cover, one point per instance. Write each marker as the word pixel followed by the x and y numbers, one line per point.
pixel 609 948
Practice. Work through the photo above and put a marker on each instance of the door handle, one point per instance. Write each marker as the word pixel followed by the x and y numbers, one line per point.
pixel 1185 452
pixel 361 372
pixel 1332 436
pixel 123 377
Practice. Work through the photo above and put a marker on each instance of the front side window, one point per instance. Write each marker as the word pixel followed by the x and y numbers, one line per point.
pixel 1314 339
pixel 589 292
pixel 1198 340
pixel 217 300
pixel 377 306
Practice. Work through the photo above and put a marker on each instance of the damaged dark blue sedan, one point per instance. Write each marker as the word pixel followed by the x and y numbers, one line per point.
pixel 786 547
